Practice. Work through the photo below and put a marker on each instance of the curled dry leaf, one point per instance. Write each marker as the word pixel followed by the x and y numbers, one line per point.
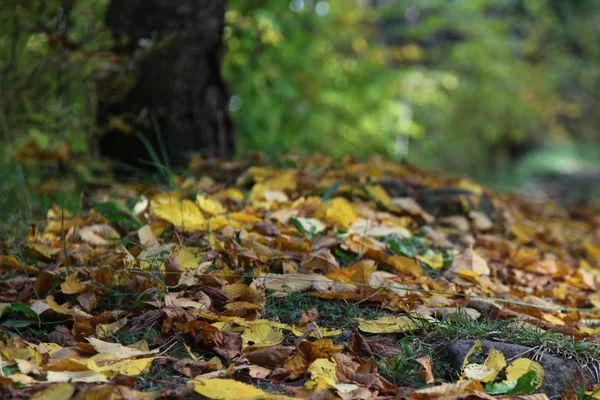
pixel 98 235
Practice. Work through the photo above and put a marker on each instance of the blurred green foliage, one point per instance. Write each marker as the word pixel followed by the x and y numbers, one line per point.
pixel 458 85
pixel 309 78
pixel 46 95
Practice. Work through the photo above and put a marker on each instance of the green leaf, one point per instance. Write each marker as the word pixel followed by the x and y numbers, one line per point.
pixel 331 191
pixel 401 248
pixel 526 384
pixel 25 310
pixel 503 387
pixel 299 226
pixel 16 323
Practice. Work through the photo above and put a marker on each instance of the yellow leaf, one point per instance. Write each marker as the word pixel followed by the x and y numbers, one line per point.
pixel 154 257
pixel 125 367
pixel 560 292
pixel 495 360
pixel 320 331
pixel 337 211
pixel 595 393
pixel 479 372
pixel 470 185
pixel 117 350
pixel 9 262
pixel 472 261
pixel 594 298
pixel 476 347
pixel 229 389
pixel 289 282
pixel 262 335
pixel 311 224
pixel 57 391
pixel 183 214
pixel 553 319
pixel 275 196
pixel 65 310
pixel 105 330
pixel 67 365
pixel 231 193
pixel 448 390
pixel 435 261
pixel 147 237
pixel 218 222
pixel 486 372
pixel 468 275
pixel 210 206
pixel 378 193
pixel 46 251
pixel 189 351
pixel 244 218
pixel 593 250
pixel 98 235
pixel 402 264
pixel 386 324
pixel 189 257
pixel 589 331
pixel 521 366
pixel 77 376
pixel 72 285
pixel 322 369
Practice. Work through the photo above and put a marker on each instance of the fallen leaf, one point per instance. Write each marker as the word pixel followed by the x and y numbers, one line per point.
pixel 229 389
pixel 521 366
pixel 387 324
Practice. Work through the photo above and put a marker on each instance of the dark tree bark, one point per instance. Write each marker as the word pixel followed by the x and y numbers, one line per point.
pixel 179 93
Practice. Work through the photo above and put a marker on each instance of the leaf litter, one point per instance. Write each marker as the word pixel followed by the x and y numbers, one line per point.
pixel 95 309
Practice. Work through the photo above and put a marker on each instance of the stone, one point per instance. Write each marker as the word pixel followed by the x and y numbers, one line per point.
pixel 558 372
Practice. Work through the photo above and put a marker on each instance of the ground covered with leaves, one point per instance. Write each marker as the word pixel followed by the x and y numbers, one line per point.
pixel 312 279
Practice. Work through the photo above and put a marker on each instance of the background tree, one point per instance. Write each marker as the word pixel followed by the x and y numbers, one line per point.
pixel 428 81
pixel 169 58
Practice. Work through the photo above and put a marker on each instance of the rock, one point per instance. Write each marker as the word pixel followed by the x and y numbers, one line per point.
pixel 558 373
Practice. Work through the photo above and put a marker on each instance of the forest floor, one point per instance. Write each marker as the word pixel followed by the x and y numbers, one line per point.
pixel 240 280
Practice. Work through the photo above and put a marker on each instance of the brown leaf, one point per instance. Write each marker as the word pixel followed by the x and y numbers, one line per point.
pixel 307 317
pixel 426 371
pixel 62 335
pixel 270 357
pixel 173 270
pixel 471 261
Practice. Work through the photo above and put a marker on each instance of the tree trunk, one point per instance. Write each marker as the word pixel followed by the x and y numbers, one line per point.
pixel 178 99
